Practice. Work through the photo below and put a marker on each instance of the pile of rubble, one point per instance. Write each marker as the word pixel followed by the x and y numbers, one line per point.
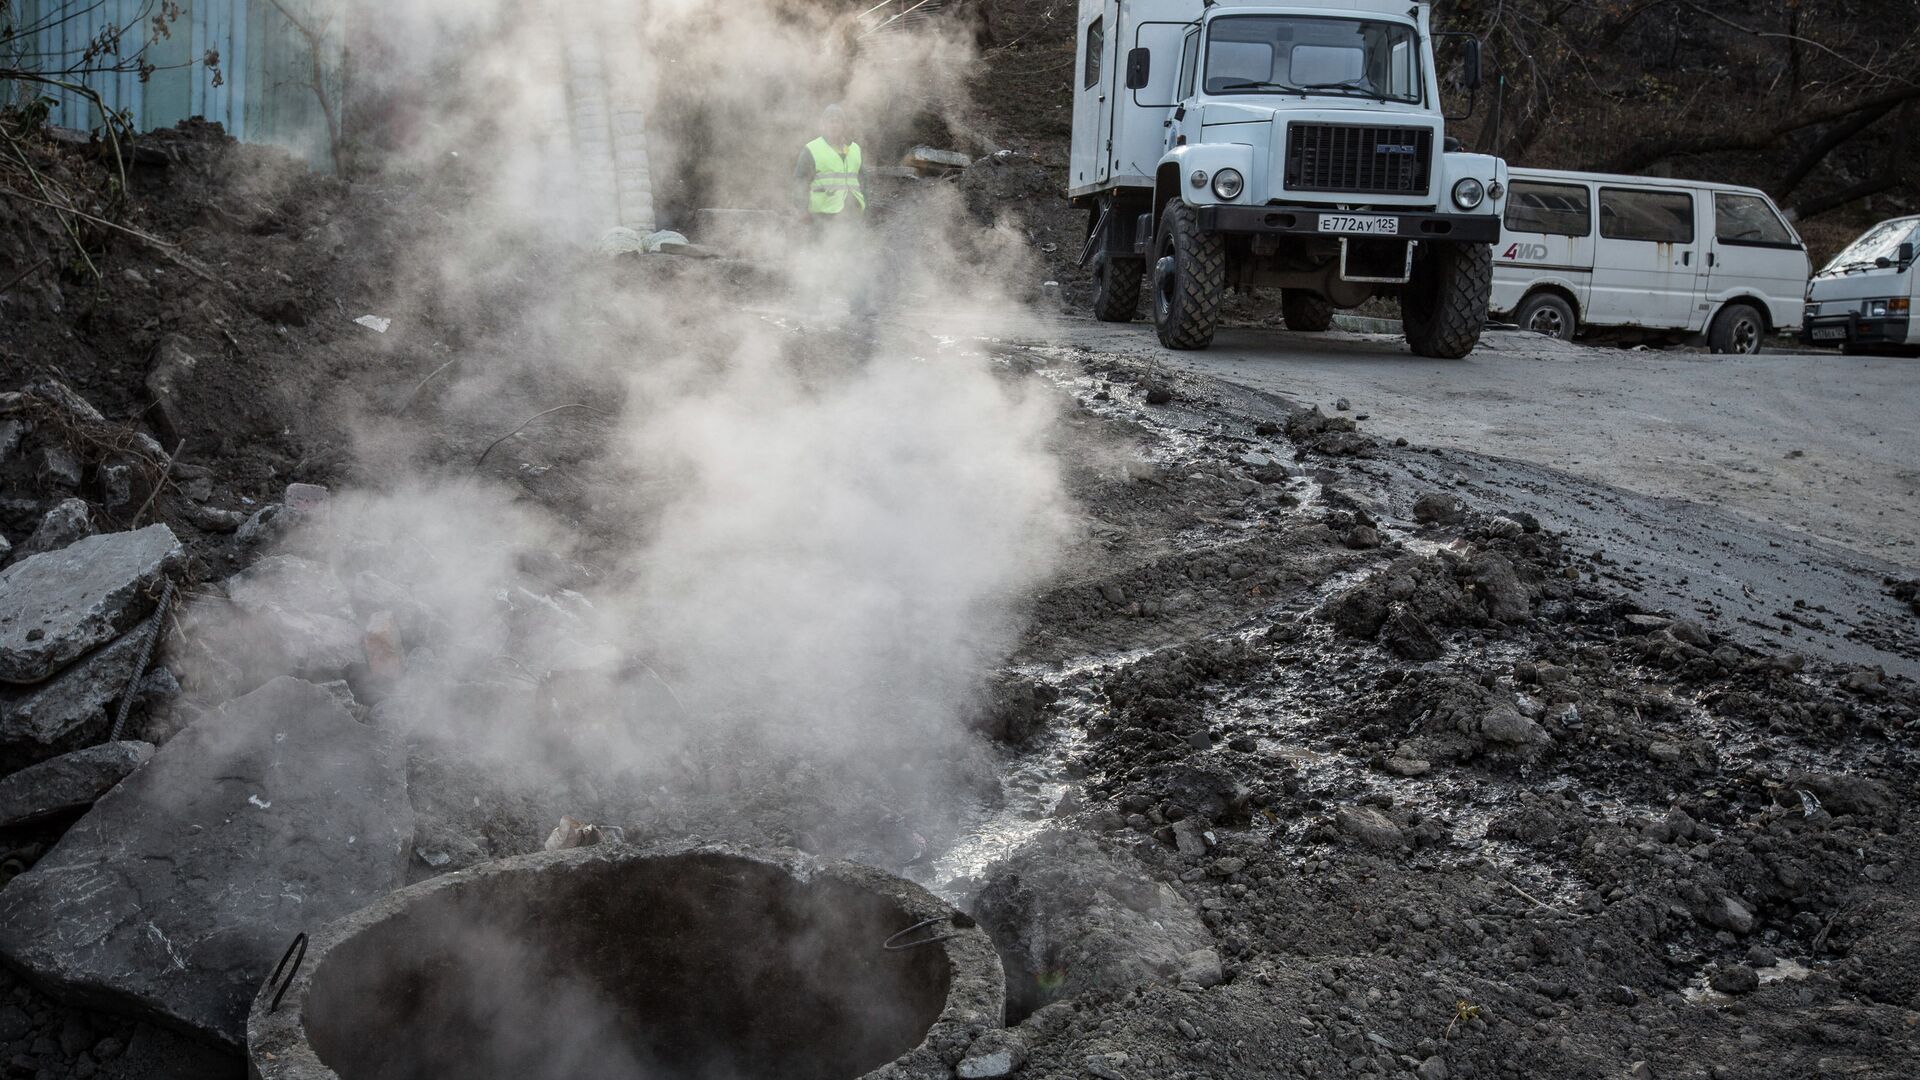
pixel 171 896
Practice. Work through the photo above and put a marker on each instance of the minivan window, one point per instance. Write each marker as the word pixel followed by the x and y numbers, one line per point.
pixel 1096 45
pixel 1749 219
pixel 1556 209
pixel 1189 64
pixel 1659 217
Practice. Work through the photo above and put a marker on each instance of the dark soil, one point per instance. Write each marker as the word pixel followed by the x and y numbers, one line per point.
pixel 1462 802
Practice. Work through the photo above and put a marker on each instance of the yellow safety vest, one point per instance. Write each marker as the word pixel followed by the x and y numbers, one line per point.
pixel 834 178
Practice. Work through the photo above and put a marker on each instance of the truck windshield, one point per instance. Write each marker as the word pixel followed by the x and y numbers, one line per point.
pixel 1313 55
pixel 1880 242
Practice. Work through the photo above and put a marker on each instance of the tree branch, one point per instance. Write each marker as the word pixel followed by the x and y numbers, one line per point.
pixel 1890 174
pixel 1835 137
pixel 1660 147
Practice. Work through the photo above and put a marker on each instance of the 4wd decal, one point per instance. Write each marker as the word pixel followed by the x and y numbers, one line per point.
pixel 1524 252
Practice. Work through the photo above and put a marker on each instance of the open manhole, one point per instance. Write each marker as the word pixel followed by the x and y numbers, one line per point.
pixel 690 963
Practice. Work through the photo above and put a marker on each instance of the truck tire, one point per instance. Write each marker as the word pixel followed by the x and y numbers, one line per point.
pixel 1116 287
pixel 1739 328
pixel 1547 313
pixel 1189 276
pixel 1444 305
pixel 1306 311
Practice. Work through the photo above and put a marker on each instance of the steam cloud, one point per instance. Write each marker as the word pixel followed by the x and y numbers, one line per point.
pixel 814 534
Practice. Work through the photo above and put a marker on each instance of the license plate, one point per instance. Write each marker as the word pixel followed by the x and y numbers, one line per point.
pixel 1829 333
pixel 1363 225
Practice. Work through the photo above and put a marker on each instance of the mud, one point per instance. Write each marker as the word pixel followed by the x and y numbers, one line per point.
pixel 1582 835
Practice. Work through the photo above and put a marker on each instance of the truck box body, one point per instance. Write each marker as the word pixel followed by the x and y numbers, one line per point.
pixel 1119 134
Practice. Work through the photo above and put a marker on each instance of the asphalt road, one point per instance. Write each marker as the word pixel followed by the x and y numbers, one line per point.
pixel 1823 445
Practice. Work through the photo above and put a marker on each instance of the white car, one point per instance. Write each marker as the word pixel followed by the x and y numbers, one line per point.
pixel 1581 251
pixel 1865 297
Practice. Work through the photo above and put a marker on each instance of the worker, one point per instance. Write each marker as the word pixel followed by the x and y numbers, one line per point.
pixel 831 178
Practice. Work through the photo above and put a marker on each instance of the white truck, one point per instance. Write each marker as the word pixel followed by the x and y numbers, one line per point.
pixel 1864 298
pixel 1635 254
pixel 1291 145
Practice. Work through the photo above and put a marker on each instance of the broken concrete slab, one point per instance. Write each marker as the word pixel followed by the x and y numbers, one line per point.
pixel 67 523
pixel 927 158
pixel 69 782
pixel 1085 917
pixel 268 525
pixel 72 703
pixel 286 616
pixel 59 605
pixel 67 400
pixel 174 896
pixel 57 470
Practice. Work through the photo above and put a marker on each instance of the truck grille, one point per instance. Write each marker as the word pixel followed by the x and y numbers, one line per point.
pixel 1366 160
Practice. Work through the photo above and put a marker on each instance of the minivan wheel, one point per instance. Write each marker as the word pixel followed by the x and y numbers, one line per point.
pixel 1739 328
pixel 1545 313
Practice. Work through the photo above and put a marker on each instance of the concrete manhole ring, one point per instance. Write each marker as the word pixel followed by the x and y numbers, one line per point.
pixel 661 962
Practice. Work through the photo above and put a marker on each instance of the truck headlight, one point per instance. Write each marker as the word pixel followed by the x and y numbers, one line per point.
pixel 1876 309
pixel 1469 193
pixel 1228 183
pixel 1496 189
pixel 1199 178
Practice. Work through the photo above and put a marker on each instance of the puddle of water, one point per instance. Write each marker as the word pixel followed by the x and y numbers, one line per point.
pixel 1031 789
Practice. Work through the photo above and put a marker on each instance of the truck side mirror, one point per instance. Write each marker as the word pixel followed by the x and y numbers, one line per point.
pixel 1139 67
pixel 1470 65
pixel 1906 255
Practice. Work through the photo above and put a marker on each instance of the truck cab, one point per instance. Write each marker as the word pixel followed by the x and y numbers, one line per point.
pixel 1864 298
pixel 1291 146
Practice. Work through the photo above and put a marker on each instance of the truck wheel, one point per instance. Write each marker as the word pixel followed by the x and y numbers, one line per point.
pixel 1308 311
pixel 1444 305
pixel 1116 287
pixel 1739 328
pixel 1189 276
pixel 1549 314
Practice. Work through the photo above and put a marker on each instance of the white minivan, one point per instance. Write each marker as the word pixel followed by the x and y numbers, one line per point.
pixel 1581 251
pixel 1865 297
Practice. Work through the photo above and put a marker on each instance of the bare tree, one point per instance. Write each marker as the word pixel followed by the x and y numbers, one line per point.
pixel 1628 85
